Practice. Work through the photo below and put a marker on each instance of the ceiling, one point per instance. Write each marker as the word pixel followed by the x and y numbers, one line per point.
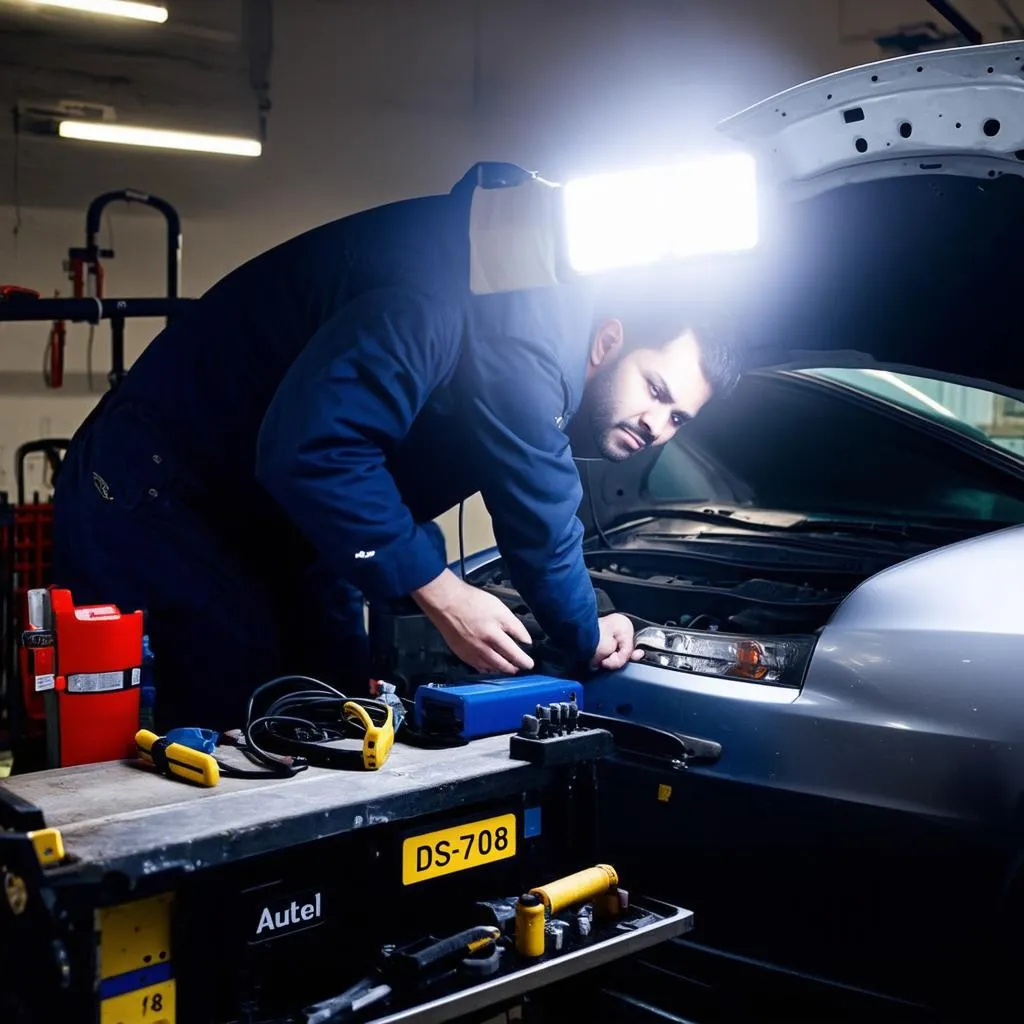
pixel 382 96
pixel 193 72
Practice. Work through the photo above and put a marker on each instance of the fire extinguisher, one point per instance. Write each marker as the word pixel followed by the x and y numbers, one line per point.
pixel 53 365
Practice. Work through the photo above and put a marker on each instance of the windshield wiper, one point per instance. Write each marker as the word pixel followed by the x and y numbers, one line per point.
pixel 899 529
pixel 715 517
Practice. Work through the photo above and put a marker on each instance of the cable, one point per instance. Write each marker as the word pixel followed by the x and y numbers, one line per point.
pixel 593 509
pixel 301 727
pixel 462 541
pixel 276 714
pixel 90 344
pixel 88 354
pixel 47 378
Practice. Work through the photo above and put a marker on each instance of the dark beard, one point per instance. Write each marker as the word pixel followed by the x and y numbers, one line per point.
pixel 598 415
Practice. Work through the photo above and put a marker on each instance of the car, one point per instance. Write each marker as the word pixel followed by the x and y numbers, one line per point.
pixel 824 568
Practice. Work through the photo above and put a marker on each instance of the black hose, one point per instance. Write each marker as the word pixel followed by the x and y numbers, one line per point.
pixel 593 510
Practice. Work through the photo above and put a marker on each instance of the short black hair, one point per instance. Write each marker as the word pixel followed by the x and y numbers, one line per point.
pixel 654 310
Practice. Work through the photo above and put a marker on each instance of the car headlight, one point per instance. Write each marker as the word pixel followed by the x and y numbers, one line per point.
pixel 779 661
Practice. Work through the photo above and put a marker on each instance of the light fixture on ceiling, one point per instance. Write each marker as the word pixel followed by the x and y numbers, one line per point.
pixel 157 138
pixel 114 8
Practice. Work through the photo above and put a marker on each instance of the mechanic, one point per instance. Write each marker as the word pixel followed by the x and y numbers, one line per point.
pixel 278 453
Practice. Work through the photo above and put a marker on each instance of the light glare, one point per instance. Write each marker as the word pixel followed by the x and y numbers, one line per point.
pixel 115 8
pixel 125 135
pixel 637 218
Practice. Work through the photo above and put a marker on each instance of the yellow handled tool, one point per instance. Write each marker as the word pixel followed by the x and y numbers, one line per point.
pixel 530 923
pixel 534 907
pixel 175 759
pixel 576 888
pixel 378 739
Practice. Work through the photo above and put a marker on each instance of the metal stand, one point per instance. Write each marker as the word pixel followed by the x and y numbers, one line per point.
pixel 92 311
pixel 90 256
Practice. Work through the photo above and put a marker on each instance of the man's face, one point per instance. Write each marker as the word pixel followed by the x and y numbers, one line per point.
pixel 638 400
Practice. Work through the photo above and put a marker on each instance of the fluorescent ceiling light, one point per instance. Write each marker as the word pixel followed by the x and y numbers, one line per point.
pixel 115 8
pixel 125 135
pixel 638 218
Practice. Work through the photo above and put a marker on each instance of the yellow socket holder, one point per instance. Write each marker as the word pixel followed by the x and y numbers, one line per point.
pixel 530 925
pixel 578 888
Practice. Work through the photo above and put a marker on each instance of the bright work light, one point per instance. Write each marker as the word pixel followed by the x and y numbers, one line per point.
pixel 113 8
pixel 126 135
pixel 535 233
pixel 642 217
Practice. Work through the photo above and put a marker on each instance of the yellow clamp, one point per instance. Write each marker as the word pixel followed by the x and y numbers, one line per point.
pixel 378 737
pixel 175 759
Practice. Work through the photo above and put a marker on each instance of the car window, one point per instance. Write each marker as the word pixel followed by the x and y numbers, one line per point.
pixel 786 442
pixel 980 414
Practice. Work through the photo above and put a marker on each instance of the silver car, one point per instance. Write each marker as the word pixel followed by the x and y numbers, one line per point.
pixel 826 567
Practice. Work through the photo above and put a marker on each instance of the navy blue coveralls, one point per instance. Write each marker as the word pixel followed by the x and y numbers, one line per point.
pixel 280 450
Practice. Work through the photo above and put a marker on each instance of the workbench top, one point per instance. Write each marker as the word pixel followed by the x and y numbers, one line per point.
pixel 121 816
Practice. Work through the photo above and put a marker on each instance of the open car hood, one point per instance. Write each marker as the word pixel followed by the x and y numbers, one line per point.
pixel 903 252
pixel 892 220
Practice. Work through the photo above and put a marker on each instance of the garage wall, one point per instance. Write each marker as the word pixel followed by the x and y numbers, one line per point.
pixel 375 100
pixel 33 257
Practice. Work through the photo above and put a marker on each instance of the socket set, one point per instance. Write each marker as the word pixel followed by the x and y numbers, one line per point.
pixel 556 734
pixel 551 720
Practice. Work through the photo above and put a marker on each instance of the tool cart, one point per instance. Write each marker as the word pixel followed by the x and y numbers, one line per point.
pixel 451 884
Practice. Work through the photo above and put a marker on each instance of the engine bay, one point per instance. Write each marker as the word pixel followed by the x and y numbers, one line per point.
pixel 740 587
pixel 675 591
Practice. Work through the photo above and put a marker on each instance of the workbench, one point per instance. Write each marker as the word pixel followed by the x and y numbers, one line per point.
pixel 121 818
pixel 175 903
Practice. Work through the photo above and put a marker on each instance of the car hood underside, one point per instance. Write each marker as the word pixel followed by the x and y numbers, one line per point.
pixel 892 198
pixel 916 274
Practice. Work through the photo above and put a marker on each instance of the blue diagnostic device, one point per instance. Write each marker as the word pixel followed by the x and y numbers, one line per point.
pixel 489 707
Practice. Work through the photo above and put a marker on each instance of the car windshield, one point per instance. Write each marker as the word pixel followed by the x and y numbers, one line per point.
pixel 983 415
pixel 808 442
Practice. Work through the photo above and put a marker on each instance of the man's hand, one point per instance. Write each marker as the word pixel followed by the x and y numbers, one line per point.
pixel 615 647
pixel 478 627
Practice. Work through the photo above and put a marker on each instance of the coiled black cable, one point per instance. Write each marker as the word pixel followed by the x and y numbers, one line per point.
pixel 313 714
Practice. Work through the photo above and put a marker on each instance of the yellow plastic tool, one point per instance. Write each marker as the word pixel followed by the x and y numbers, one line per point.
pixel 378 739
pixel 577 888
pixel 535 907
pixel 530 925
pixel 177 760
pixel 48 844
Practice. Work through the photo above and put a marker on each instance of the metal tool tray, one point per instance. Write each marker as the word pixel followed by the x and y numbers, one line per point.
pixel 455 997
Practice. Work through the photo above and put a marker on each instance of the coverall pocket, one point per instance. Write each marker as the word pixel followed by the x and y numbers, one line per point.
pixel 131 461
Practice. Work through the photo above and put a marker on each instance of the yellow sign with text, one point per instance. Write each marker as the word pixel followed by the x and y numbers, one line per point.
pixel 151 1005
pixel 448 850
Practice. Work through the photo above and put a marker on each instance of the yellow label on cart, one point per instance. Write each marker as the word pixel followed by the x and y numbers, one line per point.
pixel 134 936
pixel 151 1005
pixel 456 849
